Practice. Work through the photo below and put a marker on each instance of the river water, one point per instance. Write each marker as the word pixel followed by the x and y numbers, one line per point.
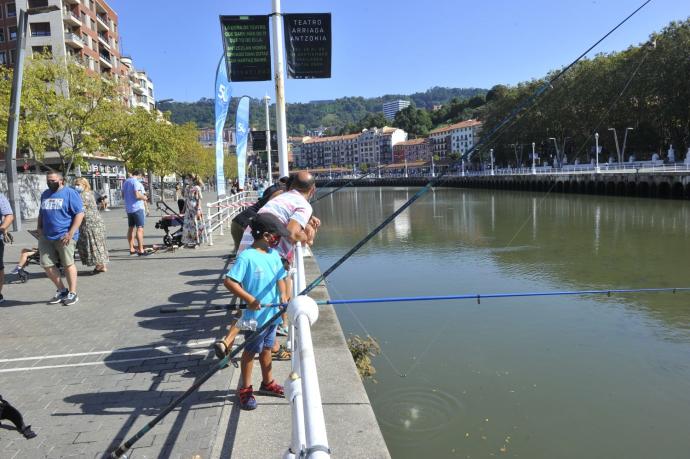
pixel 551 377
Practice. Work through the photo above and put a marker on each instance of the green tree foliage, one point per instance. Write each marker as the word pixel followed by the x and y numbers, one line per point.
pixel 370 120
pixel 593 96
pixel 414 121
pixel 340 115
pixel 63 109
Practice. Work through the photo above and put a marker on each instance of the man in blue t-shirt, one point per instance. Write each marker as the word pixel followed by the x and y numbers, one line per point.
pixel 59 219
pixel 258 278
pixel 135 196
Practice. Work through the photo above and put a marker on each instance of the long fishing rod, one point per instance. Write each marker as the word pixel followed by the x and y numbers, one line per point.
pixel 350 183
pixel 122 449
pixel 464 296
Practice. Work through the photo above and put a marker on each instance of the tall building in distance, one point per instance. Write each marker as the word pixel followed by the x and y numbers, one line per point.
pixel 85 30
pixel 393 107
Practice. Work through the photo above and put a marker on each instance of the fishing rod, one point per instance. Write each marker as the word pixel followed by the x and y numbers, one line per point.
pixel 464 296
pixel 350 183
pixel 122 449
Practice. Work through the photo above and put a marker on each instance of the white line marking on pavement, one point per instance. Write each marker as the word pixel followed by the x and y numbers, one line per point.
pixel 190 344
pixel 101 362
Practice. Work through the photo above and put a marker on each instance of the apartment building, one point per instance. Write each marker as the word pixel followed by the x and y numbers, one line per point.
pixel 412 150
pixel 371 146
pixel 139 87
pixel 455 138
pixel 393 107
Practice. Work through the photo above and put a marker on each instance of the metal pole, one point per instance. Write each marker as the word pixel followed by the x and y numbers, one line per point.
pixel 268 142
pixel 625 140
pixel 615 137
pixel 281 126
pixel 596 149
pixel 491 153
pixel 534 168
pixel 13 123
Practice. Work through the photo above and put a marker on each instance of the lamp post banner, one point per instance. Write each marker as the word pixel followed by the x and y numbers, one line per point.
pixel 308 45
pixel 247 47
pixel 242 131
pixel 223 93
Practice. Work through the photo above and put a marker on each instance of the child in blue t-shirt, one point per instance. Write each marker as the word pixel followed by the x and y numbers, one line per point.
pixel 258 278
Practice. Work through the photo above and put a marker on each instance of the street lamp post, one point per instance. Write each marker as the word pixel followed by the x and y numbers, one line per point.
pixel 615 138
pixel 596 150
pixel 268 141
pixel 15 104
pixel 625 141
pixel 433 169
pixel 558 155
pixel 534 167
pixel 405 167
pixel 491 154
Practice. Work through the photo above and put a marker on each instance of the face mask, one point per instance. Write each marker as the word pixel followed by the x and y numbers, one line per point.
pixel 79 188
pixel 53 186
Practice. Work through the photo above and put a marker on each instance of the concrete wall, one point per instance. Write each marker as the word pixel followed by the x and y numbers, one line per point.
pixel 667 185
pixel 30 188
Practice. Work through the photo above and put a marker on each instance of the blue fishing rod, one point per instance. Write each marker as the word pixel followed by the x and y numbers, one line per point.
pixel 464 296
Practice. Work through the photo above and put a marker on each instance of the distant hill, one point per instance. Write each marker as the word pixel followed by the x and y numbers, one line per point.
pixel 306 116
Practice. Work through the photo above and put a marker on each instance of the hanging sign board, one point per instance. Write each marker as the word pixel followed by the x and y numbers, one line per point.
pixel 247 47
pixel 308 45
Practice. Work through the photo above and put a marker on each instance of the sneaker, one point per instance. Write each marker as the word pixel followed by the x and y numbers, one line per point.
pixel 15 270
pixel 247 400
pixel 58 297
pixel 282 331
pixel 70 299
pixel 272 388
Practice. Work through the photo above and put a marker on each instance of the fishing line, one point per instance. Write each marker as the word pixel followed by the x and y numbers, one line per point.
pixel 351 182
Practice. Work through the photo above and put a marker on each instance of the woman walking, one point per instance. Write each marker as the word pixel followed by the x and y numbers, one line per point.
pixel 91 243
pixel 193 228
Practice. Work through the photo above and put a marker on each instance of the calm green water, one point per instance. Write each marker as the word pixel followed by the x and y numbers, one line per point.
pixel 558 377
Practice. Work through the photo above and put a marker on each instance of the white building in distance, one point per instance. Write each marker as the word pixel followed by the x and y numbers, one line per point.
pixel 393 107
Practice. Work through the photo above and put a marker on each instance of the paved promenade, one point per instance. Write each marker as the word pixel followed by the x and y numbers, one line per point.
pixel 88 376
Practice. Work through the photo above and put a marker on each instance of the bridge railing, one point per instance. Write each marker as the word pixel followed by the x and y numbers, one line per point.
pixel 220 213
pixel 309 437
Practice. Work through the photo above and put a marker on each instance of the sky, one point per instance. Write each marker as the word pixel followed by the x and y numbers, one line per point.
pixel 389 46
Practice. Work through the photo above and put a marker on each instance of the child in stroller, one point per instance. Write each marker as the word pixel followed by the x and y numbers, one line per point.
pixel 28 257
pixel 171 219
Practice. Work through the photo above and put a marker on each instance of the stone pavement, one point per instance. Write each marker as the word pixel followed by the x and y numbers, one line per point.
pixel 89 376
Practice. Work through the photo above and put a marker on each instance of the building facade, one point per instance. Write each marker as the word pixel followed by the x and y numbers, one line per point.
pixel 455 138
pixel 371 146
pixel 393 107
pixel 139 87
pixel 412 150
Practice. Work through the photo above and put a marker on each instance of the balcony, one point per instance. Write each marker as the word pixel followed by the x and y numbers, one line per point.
pixel 102 22
pixel 73 40
pixel 138 89
pixel 105 60
pixel 103 39
pixel 71 18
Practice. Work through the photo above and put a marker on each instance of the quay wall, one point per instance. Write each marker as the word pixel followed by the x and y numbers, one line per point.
pixel 667 185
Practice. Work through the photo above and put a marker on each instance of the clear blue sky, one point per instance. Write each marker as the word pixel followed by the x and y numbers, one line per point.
pixel 389 46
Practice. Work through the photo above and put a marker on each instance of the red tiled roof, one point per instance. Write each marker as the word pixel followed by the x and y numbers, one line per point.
pixel 460 125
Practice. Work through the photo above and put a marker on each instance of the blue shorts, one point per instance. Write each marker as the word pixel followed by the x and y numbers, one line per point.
pixel 136 219
pixel 265 341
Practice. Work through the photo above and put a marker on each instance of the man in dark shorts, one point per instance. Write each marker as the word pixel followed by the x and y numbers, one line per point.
pixel 59 219
pixel 135 197
pixel 7 219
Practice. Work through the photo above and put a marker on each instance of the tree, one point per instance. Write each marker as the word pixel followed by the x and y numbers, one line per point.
pixel 413 120
pixel 63 110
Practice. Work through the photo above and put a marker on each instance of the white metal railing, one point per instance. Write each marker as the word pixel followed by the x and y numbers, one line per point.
pixel 309 437
pixel 220 213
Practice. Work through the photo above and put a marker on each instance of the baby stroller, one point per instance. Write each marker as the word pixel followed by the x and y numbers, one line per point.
pixel 33 259
pixel 171 219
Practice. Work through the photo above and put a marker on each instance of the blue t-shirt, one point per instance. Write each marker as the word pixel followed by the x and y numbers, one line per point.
pixel 129 193
pixel 58 209
pixel 259 273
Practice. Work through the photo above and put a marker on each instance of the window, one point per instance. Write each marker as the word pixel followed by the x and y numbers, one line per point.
pixel 13 56
pixel 13 33
pixel 40 29
pixel 11 10
pixel 45 49
pixel 37 3
pixel 3 58
pixel 2 34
